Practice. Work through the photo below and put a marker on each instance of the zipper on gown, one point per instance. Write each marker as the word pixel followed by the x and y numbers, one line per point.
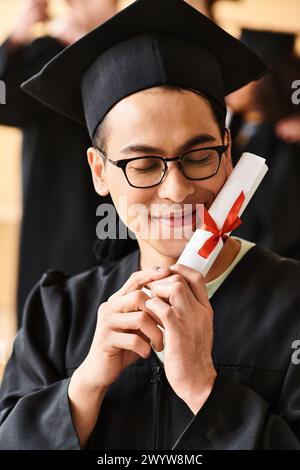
pixel 156 370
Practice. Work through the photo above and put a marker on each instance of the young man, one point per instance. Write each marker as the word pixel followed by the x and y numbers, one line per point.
pixel 151 81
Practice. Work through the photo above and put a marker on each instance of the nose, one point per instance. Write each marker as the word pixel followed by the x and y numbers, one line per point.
pixel 175 186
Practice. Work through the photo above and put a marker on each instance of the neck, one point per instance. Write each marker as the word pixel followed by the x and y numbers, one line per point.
pixel 151 257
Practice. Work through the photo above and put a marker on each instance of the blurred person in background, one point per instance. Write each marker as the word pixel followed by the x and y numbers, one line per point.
pixel 266 122
pixel 288 129
pixel 59 206
pixel 204 6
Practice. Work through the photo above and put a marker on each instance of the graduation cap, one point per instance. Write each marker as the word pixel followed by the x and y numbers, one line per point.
pixel 150 43
pixel 269 45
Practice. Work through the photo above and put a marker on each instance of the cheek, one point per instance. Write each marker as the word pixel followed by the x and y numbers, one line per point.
pixel 131 203
pixel 118 190
pixel 209 189
pixel 219 182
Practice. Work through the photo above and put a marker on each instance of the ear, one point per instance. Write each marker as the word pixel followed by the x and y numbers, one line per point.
pixel 97 167
pixel 228 159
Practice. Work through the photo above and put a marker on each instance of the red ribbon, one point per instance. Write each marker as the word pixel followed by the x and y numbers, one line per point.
pixel 232 222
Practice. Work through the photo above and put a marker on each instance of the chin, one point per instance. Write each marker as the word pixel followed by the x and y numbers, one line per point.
pixel 169 248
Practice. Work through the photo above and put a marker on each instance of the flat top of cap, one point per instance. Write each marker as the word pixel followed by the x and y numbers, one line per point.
pixel 58 84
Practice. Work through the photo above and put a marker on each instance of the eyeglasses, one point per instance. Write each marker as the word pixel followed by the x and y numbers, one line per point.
pixel 147 172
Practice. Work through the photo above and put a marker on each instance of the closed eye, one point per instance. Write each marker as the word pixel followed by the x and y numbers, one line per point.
pixel 200 161
pixel 144 170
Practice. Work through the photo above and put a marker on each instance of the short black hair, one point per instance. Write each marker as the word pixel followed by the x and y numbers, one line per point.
pixel 100 136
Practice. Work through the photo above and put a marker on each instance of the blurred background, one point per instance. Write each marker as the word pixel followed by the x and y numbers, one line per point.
pixel 232 15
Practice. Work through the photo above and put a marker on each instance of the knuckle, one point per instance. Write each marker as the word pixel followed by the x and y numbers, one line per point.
pixel 134 297
pixel 135 341
pixel 102 309
pixel 198 278
pixel 142 317
pixel 109 320
pixel 150 303
pixel 138 296
pixel 177 278
pixel 178 287
pixel 134 276
pixel 114 295
pixel 167 313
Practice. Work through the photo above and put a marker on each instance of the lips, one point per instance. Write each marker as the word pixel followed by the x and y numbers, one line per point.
pixel 179 215
pixel 178 220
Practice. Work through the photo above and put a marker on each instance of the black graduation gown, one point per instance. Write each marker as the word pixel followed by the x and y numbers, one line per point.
pixel 59 201
pixel 273 216
pixel 254 404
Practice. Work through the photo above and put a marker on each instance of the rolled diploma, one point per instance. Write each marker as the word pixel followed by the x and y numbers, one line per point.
pixel 246 176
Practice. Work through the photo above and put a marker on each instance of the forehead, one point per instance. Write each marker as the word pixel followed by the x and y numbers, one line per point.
pixel 161 109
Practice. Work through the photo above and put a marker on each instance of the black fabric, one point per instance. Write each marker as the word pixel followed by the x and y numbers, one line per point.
pixel 254 404
pixel 111 250
pixel 271 219
pixel 269 45
pixel 143 62
pixel 59 201
pixel 151 42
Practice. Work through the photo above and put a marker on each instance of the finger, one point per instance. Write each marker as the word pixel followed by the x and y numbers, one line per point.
pixel 170 279
pixel 140 279
pixel 154 317
pixel 138 321
pixel 195 281
pixel 130 342
pixel 164 311
pixel 178 294
pixel 130 302
pixel 133 301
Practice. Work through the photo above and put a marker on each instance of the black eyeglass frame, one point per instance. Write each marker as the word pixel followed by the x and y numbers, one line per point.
pixel 220 149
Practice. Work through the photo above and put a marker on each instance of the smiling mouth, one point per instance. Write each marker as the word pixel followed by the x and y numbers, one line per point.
pixel 178 220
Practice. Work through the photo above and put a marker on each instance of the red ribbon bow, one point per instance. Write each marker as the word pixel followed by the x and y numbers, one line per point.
pixel 232 222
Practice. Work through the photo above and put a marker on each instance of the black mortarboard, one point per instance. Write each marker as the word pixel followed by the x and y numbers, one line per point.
pixel 150 43
pixel 269 45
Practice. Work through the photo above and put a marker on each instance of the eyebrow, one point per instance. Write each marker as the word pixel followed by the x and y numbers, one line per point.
pixel 149 149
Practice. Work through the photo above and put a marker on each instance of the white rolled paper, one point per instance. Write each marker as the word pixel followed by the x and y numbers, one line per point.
pixel 246 176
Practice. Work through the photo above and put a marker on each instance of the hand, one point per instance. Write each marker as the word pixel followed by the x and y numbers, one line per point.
pixel 181 303
pixel 288 129
pixel 123 332
pixel 33 12
pixel 66 30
